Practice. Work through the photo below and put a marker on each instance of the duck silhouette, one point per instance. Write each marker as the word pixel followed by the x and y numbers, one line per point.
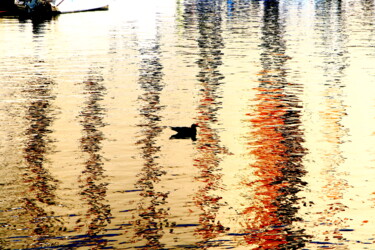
pixel 185 132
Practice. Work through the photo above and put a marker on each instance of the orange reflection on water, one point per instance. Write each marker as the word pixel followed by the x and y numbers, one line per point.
pixel 270 154
pixel 275 144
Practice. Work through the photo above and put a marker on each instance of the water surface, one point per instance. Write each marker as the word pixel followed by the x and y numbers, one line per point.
pixel 282 92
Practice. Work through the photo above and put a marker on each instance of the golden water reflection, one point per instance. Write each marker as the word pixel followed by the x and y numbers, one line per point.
pixel 281 91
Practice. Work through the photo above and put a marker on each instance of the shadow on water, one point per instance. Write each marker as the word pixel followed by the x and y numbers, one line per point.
pixel 151 221
pixel 93 186
pixel 276 143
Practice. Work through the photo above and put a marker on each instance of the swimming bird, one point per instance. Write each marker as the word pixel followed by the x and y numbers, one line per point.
pixel 185 132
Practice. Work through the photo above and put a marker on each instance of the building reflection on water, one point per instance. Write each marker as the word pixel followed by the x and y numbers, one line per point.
pixel 207 160
pixel 39 196
pixel 151 221
pixel 276 143
pixel 93 179
pixel 331 30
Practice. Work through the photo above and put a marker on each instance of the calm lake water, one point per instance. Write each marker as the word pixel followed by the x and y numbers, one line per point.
pixel 282 92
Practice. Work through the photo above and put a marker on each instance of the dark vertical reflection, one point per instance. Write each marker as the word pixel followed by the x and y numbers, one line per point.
pixel 276 144
pixel 39 27
pixel 39 195
pixel 93 186
pixel 239 13
pixel 208 159
pixel 152 214
pixel 368 8
pixel 368 21
pixel 330 25
pixel 189 17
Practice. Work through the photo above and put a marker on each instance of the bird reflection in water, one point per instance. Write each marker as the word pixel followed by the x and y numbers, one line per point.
pixel 151 210
pixel 39 195
pixel 94 187
pixel 276 143
pixel 208 198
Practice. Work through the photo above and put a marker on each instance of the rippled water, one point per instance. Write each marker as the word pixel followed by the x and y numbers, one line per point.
pixel 282 92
